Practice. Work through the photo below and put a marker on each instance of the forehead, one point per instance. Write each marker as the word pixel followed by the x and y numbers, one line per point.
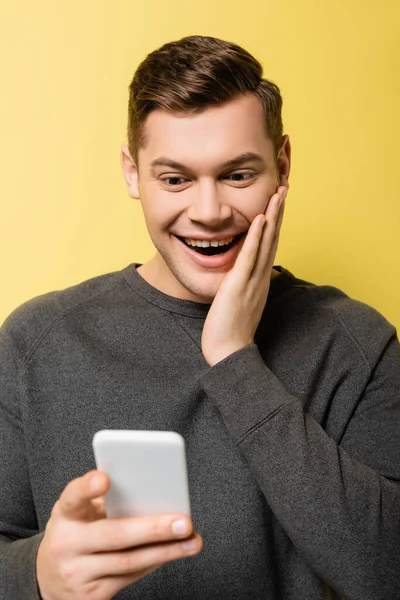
pixel 209 137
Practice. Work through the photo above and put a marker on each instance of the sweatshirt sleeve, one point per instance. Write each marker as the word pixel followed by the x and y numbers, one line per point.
pixel 338 503
pixel 19 535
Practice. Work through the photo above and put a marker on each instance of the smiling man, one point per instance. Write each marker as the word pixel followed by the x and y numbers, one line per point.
pixel 204 177
pixel 287 393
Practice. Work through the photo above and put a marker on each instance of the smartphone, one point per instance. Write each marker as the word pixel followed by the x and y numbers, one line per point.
pixel 147 471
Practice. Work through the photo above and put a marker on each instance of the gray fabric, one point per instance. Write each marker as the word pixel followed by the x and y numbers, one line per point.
pixel 293 443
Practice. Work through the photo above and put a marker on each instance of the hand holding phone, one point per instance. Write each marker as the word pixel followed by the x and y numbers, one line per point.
pixel 84 553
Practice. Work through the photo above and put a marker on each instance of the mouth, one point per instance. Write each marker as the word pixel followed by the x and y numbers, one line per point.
pixel 213 248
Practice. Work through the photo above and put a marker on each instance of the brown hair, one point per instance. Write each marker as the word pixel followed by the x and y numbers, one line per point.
pixel 193 73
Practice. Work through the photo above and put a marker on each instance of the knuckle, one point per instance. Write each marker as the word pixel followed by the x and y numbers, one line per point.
pixel 67 572
pixel 157 528
pixel 67 503
pixel 92 590
pixel 127 563
pixel 63 506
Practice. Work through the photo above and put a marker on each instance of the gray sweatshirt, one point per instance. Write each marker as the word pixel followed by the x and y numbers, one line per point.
pixel 293 443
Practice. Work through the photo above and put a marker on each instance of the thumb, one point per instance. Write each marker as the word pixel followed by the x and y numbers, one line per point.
pixel 75 501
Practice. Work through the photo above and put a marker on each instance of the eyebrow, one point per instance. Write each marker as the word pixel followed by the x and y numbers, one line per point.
pixel 229 164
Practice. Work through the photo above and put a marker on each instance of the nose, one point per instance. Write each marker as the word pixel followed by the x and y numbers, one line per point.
pixel 209 207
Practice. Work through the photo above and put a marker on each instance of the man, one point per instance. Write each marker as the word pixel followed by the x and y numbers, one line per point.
pixel 287 393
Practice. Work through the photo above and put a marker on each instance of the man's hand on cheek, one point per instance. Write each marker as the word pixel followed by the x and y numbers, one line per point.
pixel 236 311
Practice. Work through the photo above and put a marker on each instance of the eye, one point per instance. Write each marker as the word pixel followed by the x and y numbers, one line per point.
pixel 173 181
pixel 240 177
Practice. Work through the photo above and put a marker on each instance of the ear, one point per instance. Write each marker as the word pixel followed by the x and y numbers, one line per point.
pixel 130 172
pixel 283 161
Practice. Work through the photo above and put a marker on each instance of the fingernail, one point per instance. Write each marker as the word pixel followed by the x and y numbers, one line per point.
pixel 189 545
pixel 180 527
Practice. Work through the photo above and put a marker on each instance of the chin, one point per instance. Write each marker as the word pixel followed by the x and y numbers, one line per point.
pixel 182 279
pixel 202 287
pixel 202 291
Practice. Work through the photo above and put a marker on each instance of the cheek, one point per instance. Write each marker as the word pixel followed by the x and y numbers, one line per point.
pixel 159 216
pixel 156 207
pixel 253 200
pixel 163 209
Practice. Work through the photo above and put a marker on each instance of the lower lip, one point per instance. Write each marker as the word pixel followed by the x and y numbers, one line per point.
pixel 217 261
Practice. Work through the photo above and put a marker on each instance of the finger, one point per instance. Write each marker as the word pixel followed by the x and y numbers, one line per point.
pixel 248 254
pixel 273 206
pixel 268 249
pixel 280 218
pixel 139 559
pixel 270 239
pixel 75 501
pixel 281 192
pixel 118 534
pixel 276 236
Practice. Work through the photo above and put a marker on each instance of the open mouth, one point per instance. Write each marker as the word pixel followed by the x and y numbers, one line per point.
pixel 212 250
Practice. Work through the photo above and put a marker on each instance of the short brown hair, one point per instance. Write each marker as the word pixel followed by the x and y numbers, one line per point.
pixel 194 73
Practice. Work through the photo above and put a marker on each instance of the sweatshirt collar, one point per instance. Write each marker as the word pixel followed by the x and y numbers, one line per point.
pixel 188 307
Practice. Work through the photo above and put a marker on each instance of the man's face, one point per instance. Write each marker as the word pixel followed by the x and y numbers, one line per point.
pixel 192 197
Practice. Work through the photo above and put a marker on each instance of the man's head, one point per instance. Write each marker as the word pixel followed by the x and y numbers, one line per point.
pixel 195 106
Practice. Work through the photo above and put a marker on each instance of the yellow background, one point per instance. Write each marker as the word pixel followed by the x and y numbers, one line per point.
pixel 66 66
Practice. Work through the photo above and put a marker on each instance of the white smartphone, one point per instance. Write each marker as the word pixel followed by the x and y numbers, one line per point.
pixel 147 471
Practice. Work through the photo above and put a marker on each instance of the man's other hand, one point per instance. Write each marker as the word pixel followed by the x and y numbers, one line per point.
pixel 236 311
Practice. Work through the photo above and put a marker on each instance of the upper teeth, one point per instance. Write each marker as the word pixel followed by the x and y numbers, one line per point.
pixel 204 244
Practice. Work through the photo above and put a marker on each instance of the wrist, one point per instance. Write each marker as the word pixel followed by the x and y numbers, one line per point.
pixel 219 354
